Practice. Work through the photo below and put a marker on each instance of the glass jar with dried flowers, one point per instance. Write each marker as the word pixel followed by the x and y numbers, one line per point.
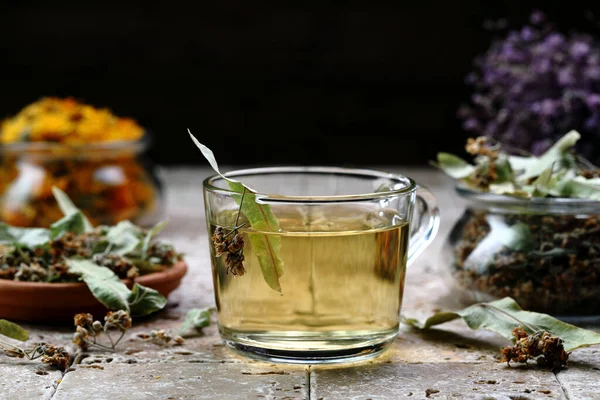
pixel 91 154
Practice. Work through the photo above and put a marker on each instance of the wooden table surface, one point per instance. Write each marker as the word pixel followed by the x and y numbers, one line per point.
pixel 449 362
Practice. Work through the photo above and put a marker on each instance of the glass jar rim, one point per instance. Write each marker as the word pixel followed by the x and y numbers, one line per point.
pixel 408 184
pixel 560 205
pixel 138 146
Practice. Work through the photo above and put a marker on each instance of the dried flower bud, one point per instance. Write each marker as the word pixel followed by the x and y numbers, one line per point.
pixel 84 332
pixel 234 262
pixel 56 356
pixel 179 340
pixel 236 244
pixel 220 249
pixel 161 336
pixel 218 235
pixel 97 326
pixel 133 273
pixel 83 319
pixel 119 319
pixel 79 341
pixel 542 346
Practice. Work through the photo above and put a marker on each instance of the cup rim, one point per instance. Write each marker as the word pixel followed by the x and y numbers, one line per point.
pixel 409 184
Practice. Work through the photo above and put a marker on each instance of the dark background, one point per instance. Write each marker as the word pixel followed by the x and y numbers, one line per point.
pixel 345 83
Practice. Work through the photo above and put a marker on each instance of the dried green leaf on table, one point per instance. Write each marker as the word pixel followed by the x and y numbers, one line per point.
pixel 13 331
pixel 196 318
pixel 504 316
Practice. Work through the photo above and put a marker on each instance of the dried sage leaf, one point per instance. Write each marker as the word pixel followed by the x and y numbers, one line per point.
pixel 502 316
pixel 13 331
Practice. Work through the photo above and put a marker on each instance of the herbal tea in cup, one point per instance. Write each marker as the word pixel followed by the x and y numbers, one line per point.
pixel 309 263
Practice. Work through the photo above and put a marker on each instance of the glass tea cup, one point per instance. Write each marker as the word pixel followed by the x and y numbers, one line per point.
pixel 345 238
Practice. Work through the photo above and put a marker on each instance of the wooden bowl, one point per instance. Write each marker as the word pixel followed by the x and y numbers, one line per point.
pixel 59 302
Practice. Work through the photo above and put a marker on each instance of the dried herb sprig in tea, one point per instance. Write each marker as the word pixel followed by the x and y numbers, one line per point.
pixel 537 334
pixel 230 244
pixel 261 219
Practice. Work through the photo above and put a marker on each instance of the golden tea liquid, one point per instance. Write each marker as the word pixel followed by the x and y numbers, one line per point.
pixel 342 285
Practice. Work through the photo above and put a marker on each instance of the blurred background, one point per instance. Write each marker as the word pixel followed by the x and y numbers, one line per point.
pixel 346 83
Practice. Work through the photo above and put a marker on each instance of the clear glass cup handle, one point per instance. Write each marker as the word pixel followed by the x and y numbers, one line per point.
pixel 425 223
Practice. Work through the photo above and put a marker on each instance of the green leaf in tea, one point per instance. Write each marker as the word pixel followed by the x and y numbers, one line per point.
pixel 454 166
pixel 13 331
pixel 505 315
pixel 196 318
pixel 266 247
pixel 68 208
pixel 23 237
pixel 114 294
pixel 261 218
pixel 144 301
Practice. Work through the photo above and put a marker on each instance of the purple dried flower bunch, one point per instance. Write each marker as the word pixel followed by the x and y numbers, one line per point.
pixel 533 86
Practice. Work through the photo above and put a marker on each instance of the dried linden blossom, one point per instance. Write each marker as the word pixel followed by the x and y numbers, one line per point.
pixel 547 349
pixel 550 342
pixel 88 330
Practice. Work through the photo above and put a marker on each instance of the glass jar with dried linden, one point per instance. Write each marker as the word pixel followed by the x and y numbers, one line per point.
pixel 531 229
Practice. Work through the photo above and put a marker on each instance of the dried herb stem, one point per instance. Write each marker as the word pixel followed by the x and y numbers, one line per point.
pixel 237 218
